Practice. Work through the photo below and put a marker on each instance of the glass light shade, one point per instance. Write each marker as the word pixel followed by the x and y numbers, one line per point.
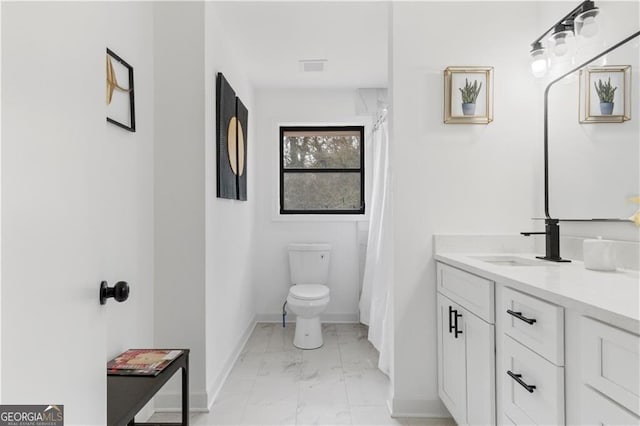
pixel 587 25
pixel 538 63
pixel 562 43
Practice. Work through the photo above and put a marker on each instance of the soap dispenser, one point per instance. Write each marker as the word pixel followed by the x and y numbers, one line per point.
pixel 599 254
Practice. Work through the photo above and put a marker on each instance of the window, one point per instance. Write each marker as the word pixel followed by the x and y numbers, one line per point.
pixel 322 170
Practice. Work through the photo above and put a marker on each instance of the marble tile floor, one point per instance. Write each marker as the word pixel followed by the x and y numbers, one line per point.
pixel 274 383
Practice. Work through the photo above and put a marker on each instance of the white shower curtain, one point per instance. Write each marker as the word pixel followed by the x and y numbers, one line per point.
pixel 375 300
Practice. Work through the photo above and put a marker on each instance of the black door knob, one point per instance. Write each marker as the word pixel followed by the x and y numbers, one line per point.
pixel 120 291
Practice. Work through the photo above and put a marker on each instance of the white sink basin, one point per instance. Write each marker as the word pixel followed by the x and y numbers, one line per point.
pixel 512 261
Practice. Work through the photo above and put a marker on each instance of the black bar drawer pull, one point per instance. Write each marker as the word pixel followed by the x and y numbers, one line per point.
pixel 517 378
pixel 520 317
pixel 451 326
pixel 455 324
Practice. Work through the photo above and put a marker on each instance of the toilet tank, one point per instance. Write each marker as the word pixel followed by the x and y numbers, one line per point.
pixel 309 263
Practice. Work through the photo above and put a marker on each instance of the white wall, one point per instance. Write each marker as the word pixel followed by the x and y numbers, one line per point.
pixel 76 200
pixel 230 307
pixel 273 232
pixel 204 297
pixel 453 178
pixel 179 311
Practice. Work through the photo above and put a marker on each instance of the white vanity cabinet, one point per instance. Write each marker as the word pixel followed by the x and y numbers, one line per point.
pixel 466 346
pixel 553 346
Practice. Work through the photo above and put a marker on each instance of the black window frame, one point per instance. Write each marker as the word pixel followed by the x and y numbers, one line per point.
pixel 361 170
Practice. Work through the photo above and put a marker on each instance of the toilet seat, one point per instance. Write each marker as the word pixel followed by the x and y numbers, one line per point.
pixel 309 291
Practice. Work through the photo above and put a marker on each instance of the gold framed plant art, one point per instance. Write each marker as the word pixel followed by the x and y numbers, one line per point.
pixel 605 94
pixel 468 95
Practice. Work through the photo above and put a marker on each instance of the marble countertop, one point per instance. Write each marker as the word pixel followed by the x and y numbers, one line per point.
pixel 613 297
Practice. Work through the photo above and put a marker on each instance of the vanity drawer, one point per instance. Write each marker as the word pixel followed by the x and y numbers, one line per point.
pixel 536 324
pixel 611 362
pixel 470 291
pixel 542 405
pixel 599 410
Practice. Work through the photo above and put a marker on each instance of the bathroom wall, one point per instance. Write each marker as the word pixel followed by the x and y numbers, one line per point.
pixel 273 232
pixel 76 199
pixel 204 298
pixel 179 191
pixel 229 294
pixel 477 179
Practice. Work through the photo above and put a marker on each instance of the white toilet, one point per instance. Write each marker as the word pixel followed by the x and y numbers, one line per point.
pixel 309 295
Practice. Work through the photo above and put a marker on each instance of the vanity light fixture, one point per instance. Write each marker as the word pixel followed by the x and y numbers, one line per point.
pixel 559 40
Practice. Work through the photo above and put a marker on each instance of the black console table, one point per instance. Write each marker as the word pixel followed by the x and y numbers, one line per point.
pixel 126 395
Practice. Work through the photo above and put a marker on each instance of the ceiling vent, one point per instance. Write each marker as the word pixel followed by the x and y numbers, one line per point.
pixel 312 65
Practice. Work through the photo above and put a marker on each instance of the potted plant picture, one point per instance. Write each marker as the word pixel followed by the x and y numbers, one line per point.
pixel 470 94
pixel 606 93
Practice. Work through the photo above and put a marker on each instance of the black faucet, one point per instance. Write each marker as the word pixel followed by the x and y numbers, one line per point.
pixel 552 240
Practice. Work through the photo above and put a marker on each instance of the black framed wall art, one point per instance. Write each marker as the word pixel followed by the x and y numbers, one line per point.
pixel 231 142
pixel 120 92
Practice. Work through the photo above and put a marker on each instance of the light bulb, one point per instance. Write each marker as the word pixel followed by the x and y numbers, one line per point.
pixel 538 63
pixel 539 67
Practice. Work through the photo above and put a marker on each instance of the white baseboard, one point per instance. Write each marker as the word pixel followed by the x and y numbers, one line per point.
pixel 201 402
pixel 417 408
pixel 351 317
pixel 214 389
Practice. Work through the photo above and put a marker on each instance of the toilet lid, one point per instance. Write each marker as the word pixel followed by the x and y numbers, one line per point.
pixel 309 291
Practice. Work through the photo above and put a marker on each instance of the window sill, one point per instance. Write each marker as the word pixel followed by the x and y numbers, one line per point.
pixel 320 217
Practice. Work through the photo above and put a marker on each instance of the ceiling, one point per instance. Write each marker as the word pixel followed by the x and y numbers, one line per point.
pixel 272 37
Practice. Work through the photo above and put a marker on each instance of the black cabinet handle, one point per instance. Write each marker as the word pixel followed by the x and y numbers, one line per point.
pixel 517 378
pixel 520 317
pixel 455 324
pixel 451 326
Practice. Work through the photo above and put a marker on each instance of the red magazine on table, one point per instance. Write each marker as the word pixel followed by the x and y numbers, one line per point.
pixel 142 362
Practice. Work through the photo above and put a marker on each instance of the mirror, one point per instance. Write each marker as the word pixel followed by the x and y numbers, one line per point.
pixel 594 168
